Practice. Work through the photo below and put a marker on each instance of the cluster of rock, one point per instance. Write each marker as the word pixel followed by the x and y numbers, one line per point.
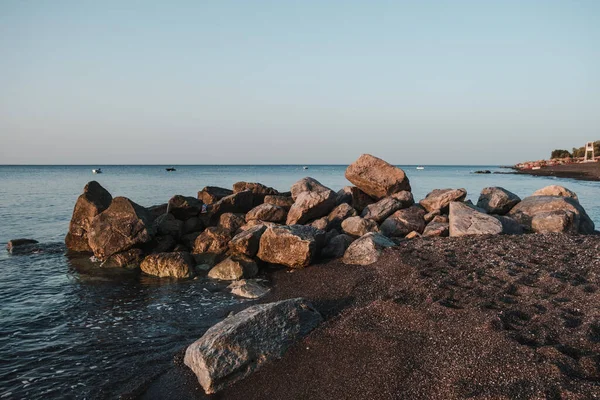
pixel 230 233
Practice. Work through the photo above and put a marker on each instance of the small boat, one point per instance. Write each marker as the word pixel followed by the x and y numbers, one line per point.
pixel 419 168
pixel 97 171
pixel 171 169
pixel 305 167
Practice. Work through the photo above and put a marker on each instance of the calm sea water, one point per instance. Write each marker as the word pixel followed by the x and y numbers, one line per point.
pixel 69 330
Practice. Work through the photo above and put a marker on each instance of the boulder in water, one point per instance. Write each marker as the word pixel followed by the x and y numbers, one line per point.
pixel 169 265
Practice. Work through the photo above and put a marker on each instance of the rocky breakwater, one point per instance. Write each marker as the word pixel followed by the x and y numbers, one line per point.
pixel 231 235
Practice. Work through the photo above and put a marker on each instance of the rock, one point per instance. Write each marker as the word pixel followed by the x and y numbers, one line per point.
pixel 497 200
pixel 123 225
pixel 405 198
pixel 213 240
pixel 437 229
pixel 413 235
pixel 212 194
pixel 431 215
pixel 403 222
pixel 248 288
pixel 485 171
pixel 255 222
pixel 307 184
pixel 241 202
pixel 237 346
pixel 94 200
pixel 311 205
pixel 259 191
pixel 163 244
pixel 524 212
pixel 382 209
pixel 167 224
pixel 183 207
pixel 267 212
pixel 321 223
pixel 376 177
pixel 466 220
pixel 234 267
pixel 193 224
pixel 561 221
pixel 189 239
pixel 337 246
pixel 357 226
pixel 247 242
pixel 209 259
pixel 555 190
pixel 158 210
pixel 439 199
pixel 354 197
pixel 14 244
pixel 339 214
pixel 169 265
pixel 441 218
pixel 294 246
pixel 130 259
pixel 366 249
pixel 284 202
pixel 509 225
pixel 232 222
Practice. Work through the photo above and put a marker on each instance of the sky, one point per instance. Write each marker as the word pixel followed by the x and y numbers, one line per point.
pixel 296 82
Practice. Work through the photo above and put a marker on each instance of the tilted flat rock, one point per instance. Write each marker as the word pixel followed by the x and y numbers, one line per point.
pixel 184 207
pixel 376 177
pixel 367 249
pixel 213 240
pixel 307 184
pixel 404 221
pixel 294 246
pixel 382 209
pixel 439 199
pixel 241 202
pixel 94 200
pixel 497 200
pixel 311 205
pixel 267 212
pixel 355 197
pixel 237 346
pixel 358 226
pixel 120 227
pixel 281 201
pixel 212 194
pixel 247 242
pixel 555 190
pixel 169 265
pixel 530 206
pixel 339 214
pixel 466 220
pixel 234 267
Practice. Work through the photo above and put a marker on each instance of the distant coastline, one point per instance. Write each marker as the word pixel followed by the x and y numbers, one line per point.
pixel 580 171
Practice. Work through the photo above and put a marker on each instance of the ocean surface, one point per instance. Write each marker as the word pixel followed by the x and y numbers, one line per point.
pixel 72 330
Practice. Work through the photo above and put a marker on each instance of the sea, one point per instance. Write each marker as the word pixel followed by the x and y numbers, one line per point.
pixel 69 329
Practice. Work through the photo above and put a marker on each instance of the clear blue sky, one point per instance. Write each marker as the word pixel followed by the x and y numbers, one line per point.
pixel 194 82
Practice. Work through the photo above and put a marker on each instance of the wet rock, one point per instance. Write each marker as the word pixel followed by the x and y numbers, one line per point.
pixel 234 348
pixel 437 229
pixel 232 222
pixel 555 190
pixel 339 214
pixel 212 194
pixel 167 224
pixel 123 225
pixel 561 221
pixel 382 209
pixel 94 200
pixel 233 268
pixel 13 245
pixel 524 212
pixel 355 197
pixel 284 202
pixel 169 265
pixel 212 240
pixel 357 226
pixel 294 246
pixel 248 288
pixel 404 221
pixel 367 249
pixel 337 246
pixel 184 207
pixel 466 220
pixel 376 177
pixel 311 205
pixel 247 242
pixel 439 199
pixel 509 225
pixel 267 212
pixel 497 200
pixel 307 184
pixel 259 191
pixel 130 259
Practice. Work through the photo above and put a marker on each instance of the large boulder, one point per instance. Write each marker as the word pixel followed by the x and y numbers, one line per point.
pixel 366 249
pixel 311 205
pixel 497 200
pixel 294 246
pixel 509 225
pixel 247 242
pixel 284 202
pixel 267 212
pixel 354 197
pixel 338 215
pixel 358 226
pixel 376 177
pixel 167 224
pixel 382 209
pixel 212 194
pixel 184 207
pixel 194 224
pixel 337 246
pixel 130 259
pixel 213 240
pixel 231 222
pixel 405 198
pixel 120 227
pixel 258 190
pixel 163 244
pixel 169 265
pixel 467 220
pixel 404 221
pixel 242 343
pixel 440 199
pixel 307 184
pixel 555 190
pixel 234 267
pixel 240 202
pixel 528 208
pixel 321 223
pixel 94 200
pixel 554 221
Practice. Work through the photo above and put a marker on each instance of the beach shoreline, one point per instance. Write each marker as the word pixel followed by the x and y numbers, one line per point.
pixel 579 171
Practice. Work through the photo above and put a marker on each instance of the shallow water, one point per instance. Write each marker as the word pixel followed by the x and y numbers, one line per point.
pixel 70 330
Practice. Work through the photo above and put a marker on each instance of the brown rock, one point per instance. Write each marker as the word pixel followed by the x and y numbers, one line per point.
pixel 366 249
pixel 307 184
pixel 194 224
pixel 259 191
pixel 555 190
pixel 14 244
pixel 163 244
pixel 431 215
pixel 183 207
pixel 231 222
pixel 339 214
pixel 357 226
pixel 509 225
pixel 435 229
pixel 405 198
pixel 236 203
pixel 169 265
pixel 524 212
pixel 467 220
pixel 158 210
pixel 321 223
pixel 294 246
pixel 267 212
pixel 247 242
pixel 440 199
pixel 131 259
pixel 212 240
pixel 413 235
pixel 403 222
pixel 376 177
pixel 212 194
pixel 382 209
pixel 284 202
pixel 354 197
pixel 311 205
pixel 497 200
pixel 561 221
pixel 233 268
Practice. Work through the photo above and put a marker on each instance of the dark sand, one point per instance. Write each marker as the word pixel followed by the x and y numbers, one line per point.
pixel 583 171
pixel 506 317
